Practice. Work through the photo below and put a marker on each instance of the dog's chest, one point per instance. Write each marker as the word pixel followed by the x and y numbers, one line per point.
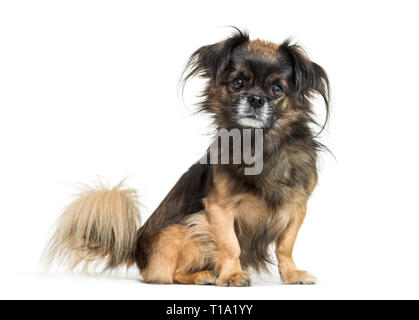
pixel 257 226
pixel 284 175
pixel 256 219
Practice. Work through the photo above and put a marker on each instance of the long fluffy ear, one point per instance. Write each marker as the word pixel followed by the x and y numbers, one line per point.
pixel 308 76
pixel 210 61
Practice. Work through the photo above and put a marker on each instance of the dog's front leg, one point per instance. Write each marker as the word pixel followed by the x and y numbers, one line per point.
pixel 227 261
pixel 285 245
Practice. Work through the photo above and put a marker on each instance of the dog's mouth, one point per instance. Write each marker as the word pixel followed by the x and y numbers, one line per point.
pixel 252 121
pixel 249 117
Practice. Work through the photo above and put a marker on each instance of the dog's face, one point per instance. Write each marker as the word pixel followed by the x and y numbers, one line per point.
pixel 257 84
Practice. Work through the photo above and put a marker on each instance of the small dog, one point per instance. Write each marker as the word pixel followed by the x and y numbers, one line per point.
pixel 217 222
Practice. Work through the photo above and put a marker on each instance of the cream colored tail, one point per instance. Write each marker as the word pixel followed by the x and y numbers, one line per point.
pixel 99 228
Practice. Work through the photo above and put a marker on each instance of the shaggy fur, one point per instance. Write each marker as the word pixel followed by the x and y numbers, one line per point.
pixel 99 226
pixel 217 222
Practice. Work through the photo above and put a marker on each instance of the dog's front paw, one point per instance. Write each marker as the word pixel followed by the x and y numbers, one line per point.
pixel 240 279
pixel 297 277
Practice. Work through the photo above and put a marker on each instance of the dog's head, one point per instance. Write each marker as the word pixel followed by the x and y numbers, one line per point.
pixel 257 84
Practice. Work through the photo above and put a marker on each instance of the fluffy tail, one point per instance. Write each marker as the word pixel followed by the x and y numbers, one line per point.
pixel 98 228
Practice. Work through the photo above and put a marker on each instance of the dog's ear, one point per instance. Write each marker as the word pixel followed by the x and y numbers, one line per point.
pixel 211 61
pixel 308 77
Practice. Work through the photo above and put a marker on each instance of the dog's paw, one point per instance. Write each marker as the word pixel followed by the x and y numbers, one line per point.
pixel 240 279
pixel 206 277
pixel 297 277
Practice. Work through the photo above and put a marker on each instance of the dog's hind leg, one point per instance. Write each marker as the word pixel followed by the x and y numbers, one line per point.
pixel 182 254
pixel 194 262
pixel 200 277
pixel 164 256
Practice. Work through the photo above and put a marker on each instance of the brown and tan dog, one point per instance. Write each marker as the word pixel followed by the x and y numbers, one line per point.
pixel 217 221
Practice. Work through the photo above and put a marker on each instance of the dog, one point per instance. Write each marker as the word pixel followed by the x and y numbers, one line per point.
pixel 217 222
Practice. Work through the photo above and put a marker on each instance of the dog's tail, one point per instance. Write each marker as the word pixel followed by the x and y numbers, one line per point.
pixel 98 228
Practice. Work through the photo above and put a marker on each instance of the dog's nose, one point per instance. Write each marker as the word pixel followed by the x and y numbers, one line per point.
pixel 256 101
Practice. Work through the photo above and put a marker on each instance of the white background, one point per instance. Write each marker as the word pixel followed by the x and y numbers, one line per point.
pixel 88 89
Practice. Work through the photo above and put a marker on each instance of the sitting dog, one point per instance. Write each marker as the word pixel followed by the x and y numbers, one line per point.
pixel 218 221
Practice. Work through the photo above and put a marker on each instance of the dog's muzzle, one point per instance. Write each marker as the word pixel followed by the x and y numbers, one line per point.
pixel 254 112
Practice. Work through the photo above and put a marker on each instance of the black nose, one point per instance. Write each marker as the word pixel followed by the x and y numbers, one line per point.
pixel 256 101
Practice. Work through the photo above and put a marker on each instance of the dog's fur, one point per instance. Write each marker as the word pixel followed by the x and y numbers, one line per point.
pixel 216 222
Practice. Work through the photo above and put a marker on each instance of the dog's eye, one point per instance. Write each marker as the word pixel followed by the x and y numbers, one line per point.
pixel 238 84
pixel 276 91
